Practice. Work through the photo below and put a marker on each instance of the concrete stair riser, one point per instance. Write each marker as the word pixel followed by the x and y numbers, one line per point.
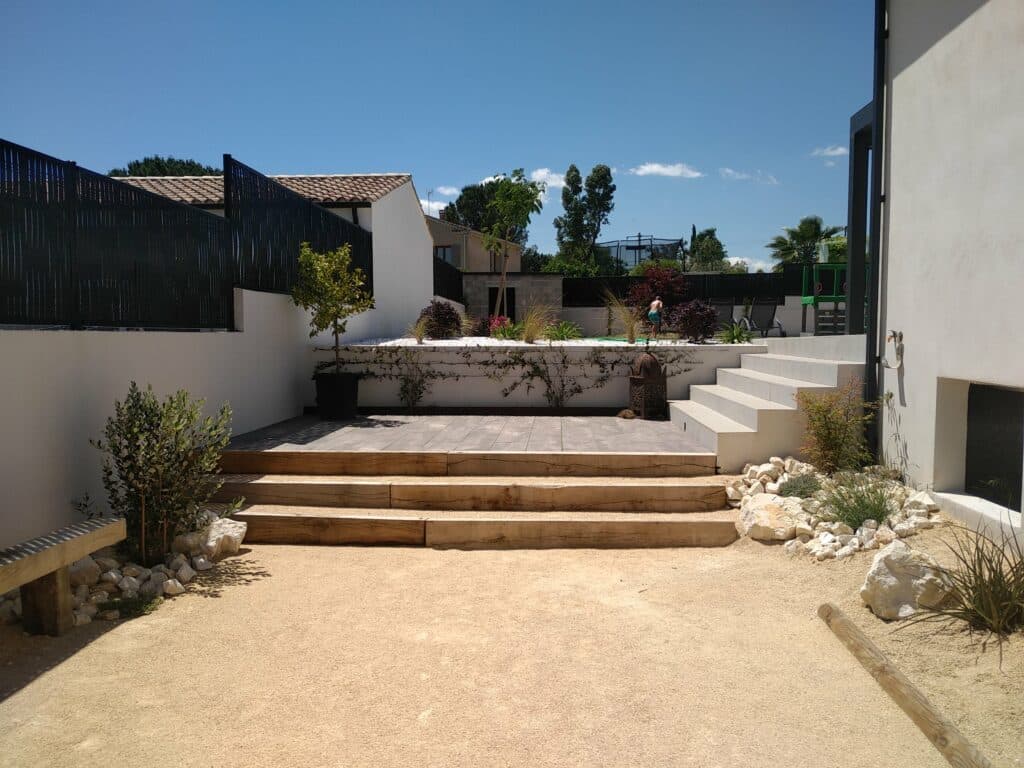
pixel 831 373
pixel 748 410
pixel 774 388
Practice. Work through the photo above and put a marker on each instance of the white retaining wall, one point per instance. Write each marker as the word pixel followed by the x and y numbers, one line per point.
pixel 59 387
pixel 687 363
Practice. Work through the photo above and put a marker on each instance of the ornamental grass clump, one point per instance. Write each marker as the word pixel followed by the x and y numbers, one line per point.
pixel 626 314
pixel 855 497
pixel 536 322
pixel 834 434
pixel 161 465
pixel 563 330
pixel 986 583
pixel 800 486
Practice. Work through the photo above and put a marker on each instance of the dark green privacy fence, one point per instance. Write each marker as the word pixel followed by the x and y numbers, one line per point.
pixel 82 250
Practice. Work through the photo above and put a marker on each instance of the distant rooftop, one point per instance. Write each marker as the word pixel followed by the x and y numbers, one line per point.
pixel 326 189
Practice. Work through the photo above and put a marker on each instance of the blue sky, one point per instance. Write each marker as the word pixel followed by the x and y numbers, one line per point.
pixel 726 113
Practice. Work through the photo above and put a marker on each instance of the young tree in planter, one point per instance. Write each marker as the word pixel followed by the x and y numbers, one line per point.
pixel 331 289
pixel 161 466
pixel 515 200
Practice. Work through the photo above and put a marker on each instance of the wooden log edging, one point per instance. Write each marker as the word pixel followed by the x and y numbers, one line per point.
pixel 943 735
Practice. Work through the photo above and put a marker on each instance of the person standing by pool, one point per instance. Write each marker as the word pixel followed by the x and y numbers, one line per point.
pixel 654 315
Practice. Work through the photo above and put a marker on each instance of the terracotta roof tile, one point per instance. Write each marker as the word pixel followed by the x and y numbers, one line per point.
pixel 326 189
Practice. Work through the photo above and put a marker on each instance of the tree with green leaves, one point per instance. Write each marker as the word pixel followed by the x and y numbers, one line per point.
pixel 516 198
pixel 533 261
pixel 331 289
pixel 165 166
pixel 472 208
pixel 588 206
pixel 707 254
pixel 799 244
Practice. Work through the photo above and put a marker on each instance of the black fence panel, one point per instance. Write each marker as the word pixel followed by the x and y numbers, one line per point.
pixel 447 281
pixel 35 237
pixel 145 261
pixel 81 249
pixel 268 222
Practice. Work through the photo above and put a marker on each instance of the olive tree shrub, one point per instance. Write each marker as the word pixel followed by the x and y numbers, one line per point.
pixel 160 466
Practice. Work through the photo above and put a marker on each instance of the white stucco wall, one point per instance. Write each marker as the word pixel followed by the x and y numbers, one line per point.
pixel 953 268
pixel 403 268
pixel 686 363
pixel 60 387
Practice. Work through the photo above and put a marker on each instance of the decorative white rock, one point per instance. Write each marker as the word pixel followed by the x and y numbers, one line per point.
pixel 903 530
pixel 80 618
pixel 173 587
pixel 901 580
pixel 176 562
pixel 106 563
pixel 772 488
pixel 794 547
pixel 843 552
pixel 89 609
pixel 767 517
pixel 84 571
pixel 200 563
pixel 132 570
pixel 223 537
pixel 884 535
pixel 185 573
pixel 921 502
pixel 112 576
pixel 128 584
pixel 188 543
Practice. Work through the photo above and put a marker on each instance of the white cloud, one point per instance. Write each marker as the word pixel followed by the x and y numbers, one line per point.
pixel 551 179
pixel 495 177
pixel 832 150
pixel 760 177
pixel 433 207
pixel 830 163
pixel 675 170
pixel 448 191
pixel 729 173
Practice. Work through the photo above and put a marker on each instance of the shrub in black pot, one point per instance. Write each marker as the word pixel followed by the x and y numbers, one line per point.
pixel 331 289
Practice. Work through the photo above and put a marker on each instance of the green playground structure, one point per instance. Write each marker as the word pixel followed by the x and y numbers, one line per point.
pixel 824 284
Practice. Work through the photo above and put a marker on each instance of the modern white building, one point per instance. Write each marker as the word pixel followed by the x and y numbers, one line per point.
pixel 937 187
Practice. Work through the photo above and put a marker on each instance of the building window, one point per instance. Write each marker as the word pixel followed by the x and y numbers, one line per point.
pixel 995 444
pixel 445 253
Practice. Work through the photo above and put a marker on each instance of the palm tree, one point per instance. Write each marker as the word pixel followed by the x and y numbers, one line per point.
pixel 800 243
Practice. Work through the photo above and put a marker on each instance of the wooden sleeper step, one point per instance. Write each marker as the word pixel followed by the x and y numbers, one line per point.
pixel 460 529
pixel 481 493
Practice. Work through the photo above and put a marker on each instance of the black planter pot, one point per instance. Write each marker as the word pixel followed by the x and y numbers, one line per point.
pixel 337 395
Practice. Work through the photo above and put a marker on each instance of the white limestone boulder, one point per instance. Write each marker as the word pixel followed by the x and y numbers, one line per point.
pixel 173 587
pixel 920 501
pixel 223 537
pixel 84 571
pixel 767 517
pixel 186 573
pixel 901 580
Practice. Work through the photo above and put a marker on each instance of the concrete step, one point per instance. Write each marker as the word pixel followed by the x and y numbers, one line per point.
pixel 492 529
pixel 591 494
pixel 748 410
pixel 469 463
pixel 777 389
pixel 728 439
pixel 831 373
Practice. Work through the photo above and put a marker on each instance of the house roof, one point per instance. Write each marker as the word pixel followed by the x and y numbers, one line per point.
pixel 326 189
pixel 461 228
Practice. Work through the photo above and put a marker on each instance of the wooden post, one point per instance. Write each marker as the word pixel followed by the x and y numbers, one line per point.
pixel 46 604
pixel 943 735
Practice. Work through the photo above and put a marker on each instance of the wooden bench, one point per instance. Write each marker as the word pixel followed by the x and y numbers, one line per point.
pixel 40 568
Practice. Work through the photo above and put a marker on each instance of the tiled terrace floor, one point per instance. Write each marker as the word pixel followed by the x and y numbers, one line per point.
pixel 470 433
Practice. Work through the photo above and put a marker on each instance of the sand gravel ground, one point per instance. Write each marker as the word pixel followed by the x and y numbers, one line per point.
pixel 304 656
